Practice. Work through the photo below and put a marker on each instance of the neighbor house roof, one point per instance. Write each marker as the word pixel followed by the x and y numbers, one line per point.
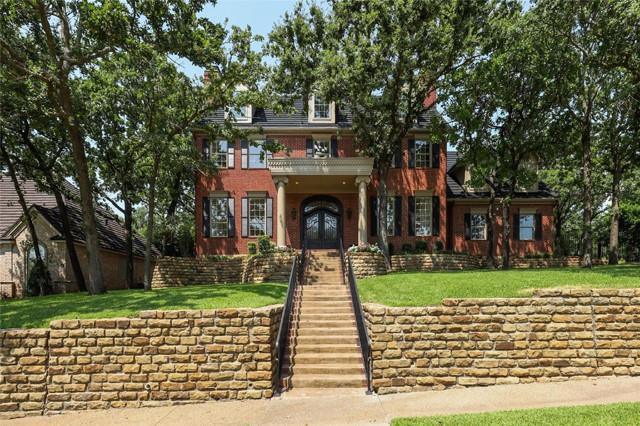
pixel 455 189
pixel 111 233
pixel 298 117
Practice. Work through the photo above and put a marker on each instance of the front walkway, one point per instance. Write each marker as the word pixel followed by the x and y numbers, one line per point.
pixel 335 407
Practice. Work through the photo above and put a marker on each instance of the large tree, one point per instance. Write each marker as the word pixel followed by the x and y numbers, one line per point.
pixel 499 109
pixel 379 58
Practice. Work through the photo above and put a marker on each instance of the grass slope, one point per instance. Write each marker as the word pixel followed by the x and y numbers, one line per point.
pixel 429 288
pixel 38 311
pixel 594 415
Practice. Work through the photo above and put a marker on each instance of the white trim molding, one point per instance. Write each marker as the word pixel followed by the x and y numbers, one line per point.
pixel 342 166
pixel 312 112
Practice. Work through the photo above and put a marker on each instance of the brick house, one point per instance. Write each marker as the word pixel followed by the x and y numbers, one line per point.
pixel 16 251
pixel 321 190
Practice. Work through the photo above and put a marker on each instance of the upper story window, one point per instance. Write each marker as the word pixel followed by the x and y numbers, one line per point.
pixel 219 153
pixel 321 110
pixel 391 216
pixel 423 154
pixel 253 154
pixel 241 114
pixel 321 148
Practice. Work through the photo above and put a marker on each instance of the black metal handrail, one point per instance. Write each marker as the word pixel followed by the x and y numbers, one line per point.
pixel 285 320
pixel 363 335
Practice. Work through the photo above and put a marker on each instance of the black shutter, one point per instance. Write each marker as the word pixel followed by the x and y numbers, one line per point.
pixel 538 225
pixel 269 206
pixel 244 154
pixel 412 154
pixel 467 226
pixel 309 148
pixel 206 224
pixel 244 231
pixel 334 146
pixel 397 228
pixel 231 217
pixel 435 216
pixel 231 154
pixel 397 157
pixel 435 155
pixel 516 226
pixel 205 149
pixel 373 215
pixel 412 216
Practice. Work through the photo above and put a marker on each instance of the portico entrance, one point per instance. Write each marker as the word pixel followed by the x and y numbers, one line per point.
pixel 321 221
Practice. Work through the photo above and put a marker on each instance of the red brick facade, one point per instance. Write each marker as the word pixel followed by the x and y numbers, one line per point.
pixel 402 182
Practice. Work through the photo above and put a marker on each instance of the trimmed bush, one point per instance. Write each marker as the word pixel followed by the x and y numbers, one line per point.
pixel 422 247
pixel 264 244
pixel 407 248
pixel 253 249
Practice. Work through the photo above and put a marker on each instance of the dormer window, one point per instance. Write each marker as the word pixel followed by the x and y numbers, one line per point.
pixel 321 110
pixel 240 114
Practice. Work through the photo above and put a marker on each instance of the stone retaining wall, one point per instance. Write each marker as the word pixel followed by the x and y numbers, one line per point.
pixel 180 271
pixel 569 261
pixel 160 358
pixel 367 264
pixel 556 335
pixel 434 262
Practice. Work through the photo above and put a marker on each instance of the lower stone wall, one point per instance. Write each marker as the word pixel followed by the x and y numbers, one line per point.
pixel 160 358
pixel 23 371
pixel 180 271
pixel 556 335
pixel 434 262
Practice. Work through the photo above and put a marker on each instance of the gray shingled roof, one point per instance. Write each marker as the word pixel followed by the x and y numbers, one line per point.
pixel 111 232
pixel 456 190
pixel 267 118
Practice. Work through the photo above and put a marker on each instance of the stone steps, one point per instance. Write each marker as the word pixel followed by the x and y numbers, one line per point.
pixel 324 350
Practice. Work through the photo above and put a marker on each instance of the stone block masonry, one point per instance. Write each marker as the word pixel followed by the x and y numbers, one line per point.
pixel 180 271
pixel 556 335
pixel 367 264
pixel 160 358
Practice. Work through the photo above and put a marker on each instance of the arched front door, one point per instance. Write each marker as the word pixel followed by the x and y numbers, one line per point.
pixel 321 221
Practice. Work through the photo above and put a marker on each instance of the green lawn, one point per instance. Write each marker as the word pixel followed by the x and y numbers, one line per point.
pixel 594 415
pixel 38 311
pixel 429 288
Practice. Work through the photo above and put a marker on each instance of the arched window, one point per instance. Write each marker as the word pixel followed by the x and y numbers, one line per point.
pixel 31 256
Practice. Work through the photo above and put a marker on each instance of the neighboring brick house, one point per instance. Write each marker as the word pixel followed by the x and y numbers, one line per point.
pixel 16 247
pixel 321 190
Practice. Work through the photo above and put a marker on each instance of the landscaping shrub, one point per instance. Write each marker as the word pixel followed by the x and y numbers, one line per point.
pixel 407 248
pixel 439 247
pixel 422 247
pixel 368 248
pixel 253 249
pixel 39 275
pixel 392 249
pixel 264 244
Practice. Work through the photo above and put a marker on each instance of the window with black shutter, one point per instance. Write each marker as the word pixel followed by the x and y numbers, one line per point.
pixel 412 154
pixel 398 216
pixel 373 215
pixel 231 217
pixel 412 216
pixel 397 158
pixel 334 147
pixel 435 155
pixel 516 227
pixel 205 149
pixel 467 226
pixel 205 217
pixel 538 227
pixel 244 154
pixel 435 215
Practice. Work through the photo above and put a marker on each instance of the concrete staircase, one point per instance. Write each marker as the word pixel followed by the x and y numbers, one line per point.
pixel 324 350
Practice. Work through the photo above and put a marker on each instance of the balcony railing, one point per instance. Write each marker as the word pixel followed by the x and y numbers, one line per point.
pixel 345 166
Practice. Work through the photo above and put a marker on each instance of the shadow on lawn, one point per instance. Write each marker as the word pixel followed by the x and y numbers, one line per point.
pixel 37 311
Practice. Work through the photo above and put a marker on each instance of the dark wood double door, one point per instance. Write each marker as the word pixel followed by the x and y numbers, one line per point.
pixel 321 222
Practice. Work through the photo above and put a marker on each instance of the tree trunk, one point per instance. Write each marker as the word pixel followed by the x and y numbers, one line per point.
pixel 615 218
pixel 128 229
pixel 587 195
pixel 506 233
pixel 25 212
pixel 558 250
pixel 150 222
pixel 96 279
pixel 491 226
pixel 383 172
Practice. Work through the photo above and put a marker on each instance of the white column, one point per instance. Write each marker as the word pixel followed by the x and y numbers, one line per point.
pixel 281 206
pixel 362 182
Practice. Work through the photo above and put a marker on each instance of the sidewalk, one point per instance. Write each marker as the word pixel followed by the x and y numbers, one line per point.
pixel 349 407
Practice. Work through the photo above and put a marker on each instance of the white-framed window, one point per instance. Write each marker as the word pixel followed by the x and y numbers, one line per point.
pixel 219 153
pixel 423 153
pixel 257 216
pixel 423 215
pixel 219 216
pixel 527 227
pixel 257 155
pixel 321 110
pixel 478 226
pixel 321 148
pixel 391 216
